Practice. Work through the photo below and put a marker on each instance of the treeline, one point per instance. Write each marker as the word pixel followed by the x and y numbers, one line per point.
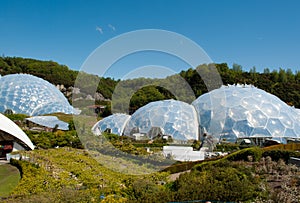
pixel 53 73
pixel 188 85
pixel 129 95
pixel 48 70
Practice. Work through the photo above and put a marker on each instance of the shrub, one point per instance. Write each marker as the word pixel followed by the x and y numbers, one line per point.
pixel 280 154
pixel 243 155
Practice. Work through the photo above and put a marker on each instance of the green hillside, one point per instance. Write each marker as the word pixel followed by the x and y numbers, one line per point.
pixel 71 175
pixel 9 178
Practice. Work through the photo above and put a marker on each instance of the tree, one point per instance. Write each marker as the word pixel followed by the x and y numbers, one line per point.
pixel 266 71
pixel 8 112
pixel 237 68
pixel 282 75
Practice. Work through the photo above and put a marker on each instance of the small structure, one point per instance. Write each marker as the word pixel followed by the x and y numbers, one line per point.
pixel 182 153
pixel 295 161
pixel 12 138
pixel 139 136
pixel 97 108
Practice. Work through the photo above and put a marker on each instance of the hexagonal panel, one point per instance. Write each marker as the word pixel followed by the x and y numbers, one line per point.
pixel 260 132
pixel 257 118
pixel 237 113
pixel 275 127
pixel 242 129
pixel 269 109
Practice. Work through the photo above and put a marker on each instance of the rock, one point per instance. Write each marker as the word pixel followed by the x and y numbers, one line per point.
pixel 99 97
pixel 89 97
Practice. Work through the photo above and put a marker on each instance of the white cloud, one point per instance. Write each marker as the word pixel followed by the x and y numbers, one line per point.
pixel 99 29
pixel 112 27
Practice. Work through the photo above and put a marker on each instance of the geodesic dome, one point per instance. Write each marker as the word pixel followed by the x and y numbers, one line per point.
pixel 174 118
pixel 233 112
pixel 28 94
pixel 116 123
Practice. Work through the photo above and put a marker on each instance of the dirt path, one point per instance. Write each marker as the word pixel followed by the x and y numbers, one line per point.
pixel 174 176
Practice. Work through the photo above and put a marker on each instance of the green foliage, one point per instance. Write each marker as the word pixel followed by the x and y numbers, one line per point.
pixel 71 175
pixel 9 178
pixel 146 95
pixel 145 190
pixel 181 166
pixel 243 155
pixel 46 140
pixel 285 155
pixel 228 147
pixel 231 182
pixel 8 112
pixel 282 83
pixel 56 74
pixel 48 70
pixel 16 117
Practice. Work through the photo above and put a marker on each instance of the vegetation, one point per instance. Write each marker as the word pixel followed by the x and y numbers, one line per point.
pixel 69 174
pixel 185 86
pixel 48 70
pixel 16 117
pixel 72 175
pixel 46 140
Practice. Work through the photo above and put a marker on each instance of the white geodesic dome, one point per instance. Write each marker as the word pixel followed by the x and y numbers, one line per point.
pixel 28 94
pixel 174 118
pixel 116 123
pixel 240 111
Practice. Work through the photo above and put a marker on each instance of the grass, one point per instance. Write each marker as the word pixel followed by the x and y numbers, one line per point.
pixel 9 178
pixel 64 117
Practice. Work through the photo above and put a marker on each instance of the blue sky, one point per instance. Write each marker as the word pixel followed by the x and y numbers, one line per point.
pixel 250 33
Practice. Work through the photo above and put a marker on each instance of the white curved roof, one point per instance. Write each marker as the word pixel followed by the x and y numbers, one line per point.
pixel 28 94
pixel 8 126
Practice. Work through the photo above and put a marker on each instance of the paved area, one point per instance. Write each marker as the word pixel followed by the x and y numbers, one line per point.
pixel 3 161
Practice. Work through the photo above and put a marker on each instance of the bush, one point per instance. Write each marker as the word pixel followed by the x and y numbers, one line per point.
pixel 227 147
pixel 243 155
pixel 218 183
pixel 280 154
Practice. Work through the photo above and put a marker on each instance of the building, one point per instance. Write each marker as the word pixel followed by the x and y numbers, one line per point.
pixel 246 112
pixel 12 138
pixel 30 95
pixel 226 114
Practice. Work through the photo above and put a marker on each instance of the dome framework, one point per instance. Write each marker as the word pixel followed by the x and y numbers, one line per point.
pixel 228 113
pixel 244 111
pixel 30 95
